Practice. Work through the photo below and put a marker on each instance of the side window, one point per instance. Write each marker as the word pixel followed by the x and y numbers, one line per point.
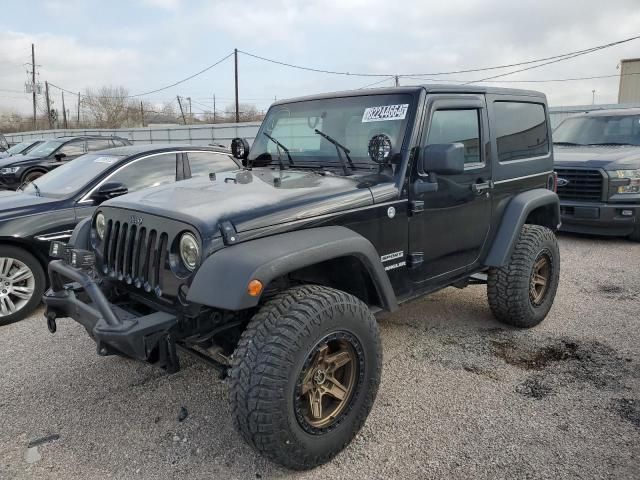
pixel 202 163
pixel 457 126
pixel 521 130
pixel 147 172
pixel 96 144
pixel 72 148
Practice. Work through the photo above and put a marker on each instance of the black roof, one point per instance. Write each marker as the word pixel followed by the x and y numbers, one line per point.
pixel 431 88
pixel 84 137
pixel 131 150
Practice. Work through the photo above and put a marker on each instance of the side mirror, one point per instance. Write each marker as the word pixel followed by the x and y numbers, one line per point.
pixel 60 156
pixel 109 190
pixel 443 159
pixel 240 148
pixel 439 159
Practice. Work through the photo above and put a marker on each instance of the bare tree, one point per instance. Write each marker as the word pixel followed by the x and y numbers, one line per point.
pixel 247 113
pixel 111 107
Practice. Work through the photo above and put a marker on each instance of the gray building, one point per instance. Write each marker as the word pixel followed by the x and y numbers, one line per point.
pixel 629 90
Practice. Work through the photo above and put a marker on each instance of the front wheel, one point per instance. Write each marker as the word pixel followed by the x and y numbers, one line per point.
pixel 521 293
pixel 305 374
pixel 22 283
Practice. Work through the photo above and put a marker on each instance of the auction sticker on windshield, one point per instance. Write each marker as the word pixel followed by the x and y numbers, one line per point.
pixel 108 160
pixel 385 112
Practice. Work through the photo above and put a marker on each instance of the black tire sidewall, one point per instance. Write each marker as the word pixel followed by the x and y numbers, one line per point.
pixel 39 277
pixel 31 176
pixel 319 445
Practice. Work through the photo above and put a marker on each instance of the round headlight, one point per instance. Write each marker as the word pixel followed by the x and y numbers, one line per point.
pixel 189 251
pixel 101 225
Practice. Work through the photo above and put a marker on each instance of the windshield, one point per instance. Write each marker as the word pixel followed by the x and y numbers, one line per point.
pixel 45 148
pixel 350 121
pixel 73 176
pixel 19 147
pixel 599 130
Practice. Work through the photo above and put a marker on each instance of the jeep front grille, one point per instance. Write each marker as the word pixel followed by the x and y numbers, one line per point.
pixel 134 254
pixel 583 184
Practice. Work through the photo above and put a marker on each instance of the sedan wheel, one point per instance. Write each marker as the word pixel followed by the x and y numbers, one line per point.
pixel 17 285
pixel 22 283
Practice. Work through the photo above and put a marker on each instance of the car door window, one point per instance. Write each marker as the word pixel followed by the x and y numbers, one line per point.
pixel 72 149
pixel 203 163
pixel 96 144
pixel 457 126
pixel 147 172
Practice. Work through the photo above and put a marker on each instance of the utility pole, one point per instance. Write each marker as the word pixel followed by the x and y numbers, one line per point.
pixel 33 83
pixel 46 90
pixel 64 113
pixel 235 55
pixel 142 113
pixel 397 79
pixel 593 97
pixel 181 111
pixel 190 114
pixel 214 108
pixel 78 119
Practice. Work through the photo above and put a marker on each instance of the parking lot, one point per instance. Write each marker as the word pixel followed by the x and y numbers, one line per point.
pixel 461 395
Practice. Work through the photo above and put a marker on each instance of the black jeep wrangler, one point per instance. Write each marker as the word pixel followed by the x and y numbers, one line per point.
pixel 348 204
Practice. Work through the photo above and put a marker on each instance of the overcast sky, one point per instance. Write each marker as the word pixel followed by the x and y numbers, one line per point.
pixel 146 44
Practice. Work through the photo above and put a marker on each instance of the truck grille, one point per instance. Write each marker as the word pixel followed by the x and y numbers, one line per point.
pixel 583 184
pixel 134 254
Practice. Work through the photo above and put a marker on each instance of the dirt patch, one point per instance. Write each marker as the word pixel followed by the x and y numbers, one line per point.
pixel 628 409
pixel 617 292
pixel 523 356
pixel 534 388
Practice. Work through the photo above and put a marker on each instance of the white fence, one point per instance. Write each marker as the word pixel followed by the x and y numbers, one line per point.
pixel 219 133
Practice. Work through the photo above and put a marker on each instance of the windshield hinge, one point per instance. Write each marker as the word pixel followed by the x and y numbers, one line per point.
pixel 415 259
pixel 229 233
pixel 416 206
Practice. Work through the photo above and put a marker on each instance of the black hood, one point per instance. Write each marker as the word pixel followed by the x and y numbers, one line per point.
pixel 609 157
pixel 250 200
pixel 19 159
pixel 19 204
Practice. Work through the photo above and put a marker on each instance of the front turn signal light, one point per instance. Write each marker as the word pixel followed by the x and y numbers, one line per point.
pixel 254 288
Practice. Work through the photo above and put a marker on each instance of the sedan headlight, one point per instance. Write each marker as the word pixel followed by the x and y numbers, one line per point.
pixel 189 251
pixel 101 226
pixel 8 170
pixel 634 180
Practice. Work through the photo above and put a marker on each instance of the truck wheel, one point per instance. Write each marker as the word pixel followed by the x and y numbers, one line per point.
pixel 635 235
pixel 305 374
pixel 22 283
pixel 521 293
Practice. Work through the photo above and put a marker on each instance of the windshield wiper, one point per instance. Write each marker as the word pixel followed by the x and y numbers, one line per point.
pixel 36 188
pixel 569 144
pixel 339 147
pixel 612 143
pixel 280 145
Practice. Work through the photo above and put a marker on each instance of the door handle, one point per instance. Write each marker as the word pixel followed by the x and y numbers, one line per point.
pixel 480 187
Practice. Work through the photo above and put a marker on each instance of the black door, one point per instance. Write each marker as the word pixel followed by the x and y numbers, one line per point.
pixel 447 236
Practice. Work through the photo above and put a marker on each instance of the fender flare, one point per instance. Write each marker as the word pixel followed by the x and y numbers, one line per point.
pixel 81 234
pixel 221 281
pixel 514 217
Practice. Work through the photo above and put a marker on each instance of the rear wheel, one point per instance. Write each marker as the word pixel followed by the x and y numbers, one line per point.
pixel 522 292
pixel 22 283
pixel 30 177
pixel 635 235
pixel 305 374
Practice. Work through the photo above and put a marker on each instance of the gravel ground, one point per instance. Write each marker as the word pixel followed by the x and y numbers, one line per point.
pixel 461 396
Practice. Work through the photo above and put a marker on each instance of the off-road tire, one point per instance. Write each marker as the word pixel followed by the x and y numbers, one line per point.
pixel 269 360
pixel 9 251
pixel 635 235
pixel 508 287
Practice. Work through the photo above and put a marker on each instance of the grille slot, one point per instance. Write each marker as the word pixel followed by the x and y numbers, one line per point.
pixel 584 184
pixel 134 254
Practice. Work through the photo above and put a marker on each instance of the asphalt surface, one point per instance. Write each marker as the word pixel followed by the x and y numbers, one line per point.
pixel 461 396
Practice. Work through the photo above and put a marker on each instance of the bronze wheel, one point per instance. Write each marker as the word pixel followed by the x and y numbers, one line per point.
pixel 540 277
pixel 328 381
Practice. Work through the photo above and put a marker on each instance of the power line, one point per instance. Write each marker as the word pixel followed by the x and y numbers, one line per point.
pixel 158 89
pixel 378 82
pixel 547 80
pixel 560 57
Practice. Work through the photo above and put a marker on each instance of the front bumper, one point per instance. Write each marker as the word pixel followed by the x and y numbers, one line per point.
pixel 10 181
pixel 599 218
pixel 114 329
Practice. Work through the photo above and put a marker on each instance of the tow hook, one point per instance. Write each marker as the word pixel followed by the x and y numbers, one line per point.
pixel 51 321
